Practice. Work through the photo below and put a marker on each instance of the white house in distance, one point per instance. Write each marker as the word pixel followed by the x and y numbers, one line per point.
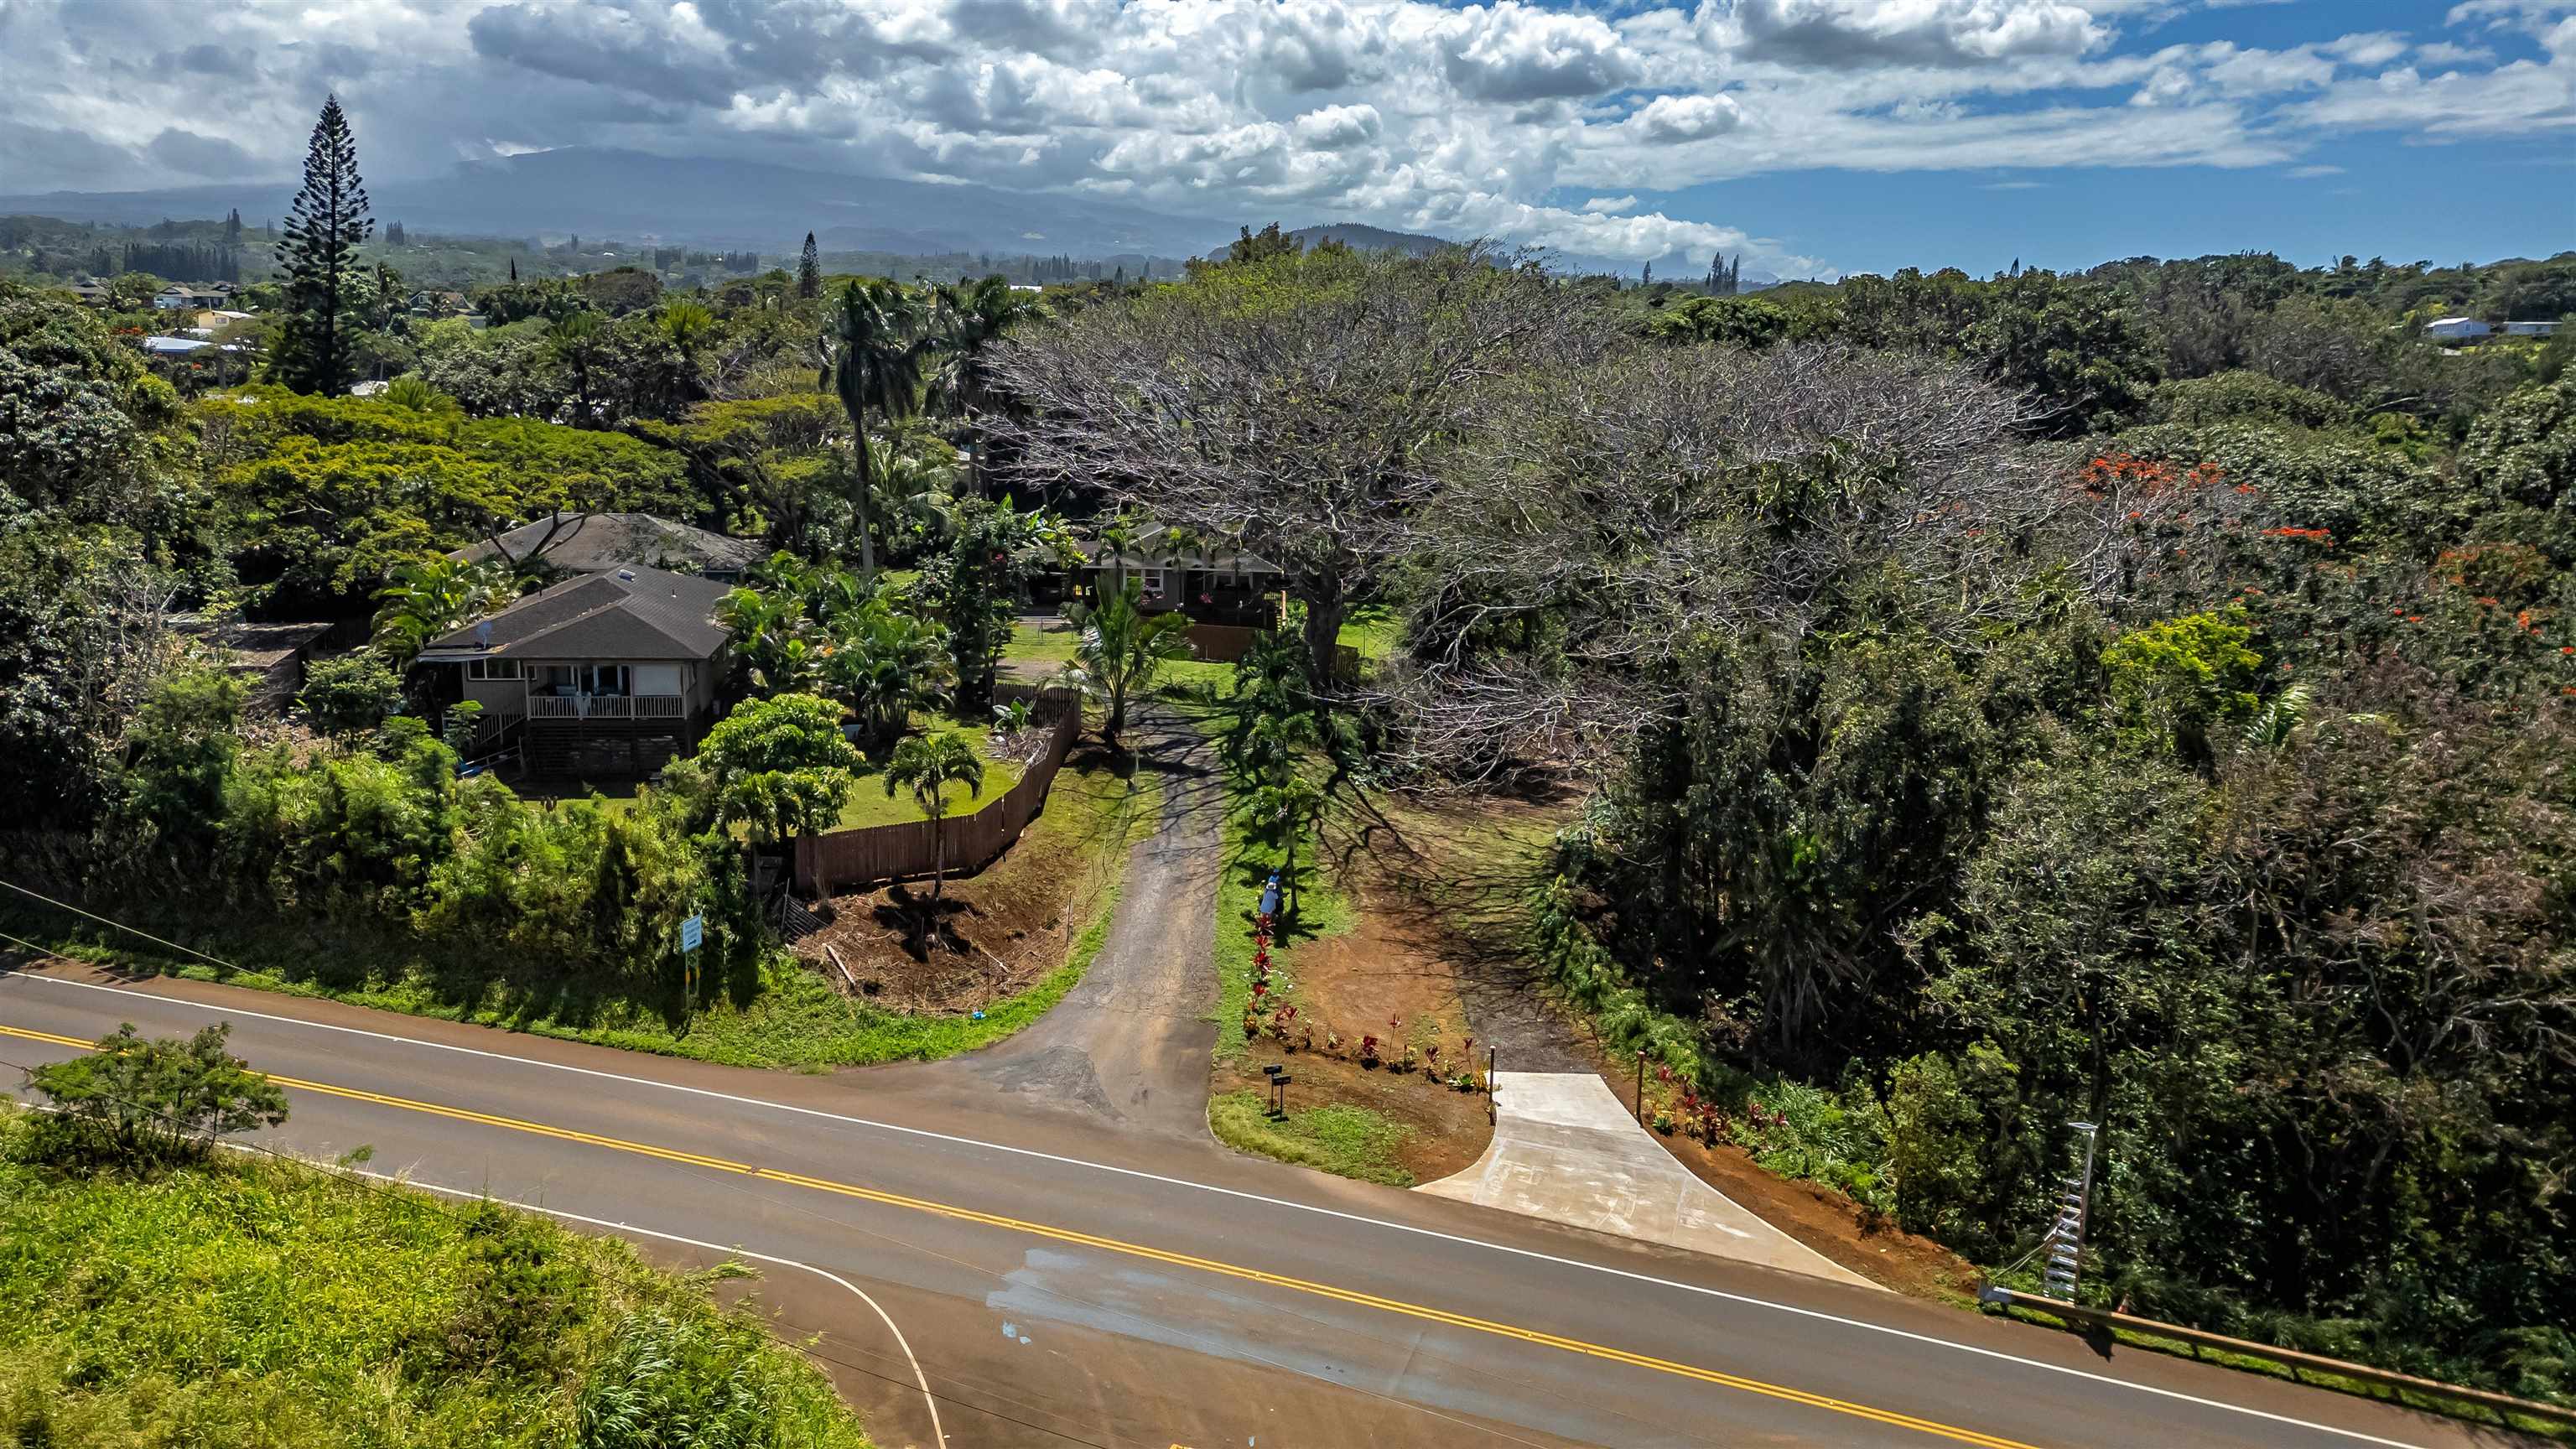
pixel 179 296
pixel 2470 329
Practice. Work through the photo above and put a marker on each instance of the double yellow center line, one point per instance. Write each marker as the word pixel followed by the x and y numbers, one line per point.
pixel 1133 1250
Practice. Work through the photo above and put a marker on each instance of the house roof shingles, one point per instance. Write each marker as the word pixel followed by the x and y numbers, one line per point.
pixel 604 542
pixel 630 614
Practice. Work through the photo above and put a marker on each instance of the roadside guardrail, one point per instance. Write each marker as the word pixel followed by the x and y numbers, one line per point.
pixel 2076 1315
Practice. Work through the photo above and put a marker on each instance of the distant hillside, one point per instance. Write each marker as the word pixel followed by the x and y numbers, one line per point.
pixel 1372 238
pixel 1362 238
pixel 713 203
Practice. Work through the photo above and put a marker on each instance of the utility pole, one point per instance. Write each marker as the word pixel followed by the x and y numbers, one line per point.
pixel 2063 1248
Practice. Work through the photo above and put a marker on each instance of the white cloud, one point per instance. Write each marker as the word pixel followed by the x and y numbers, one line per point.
pixel 1515 52
pixel 1667 119
pixel 1405 113
pixel 1841 33
pixel 2305 173
pixel 2443 52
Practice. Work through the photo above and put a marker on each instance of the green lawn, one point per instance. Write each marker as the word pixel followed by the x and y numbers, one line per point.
pixel 1038 650
pixel 1351 1141
pixel 248 1302
pixel 869 804
pixel 1375 635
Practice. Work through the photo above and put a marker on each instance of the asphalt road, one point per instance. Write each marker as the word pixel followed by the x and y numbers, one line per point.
pixel 1060 1281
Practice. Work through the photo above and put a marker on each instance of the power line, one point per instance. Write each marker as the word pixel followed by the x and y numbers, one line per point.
pixel 104 921
pixel 421 1196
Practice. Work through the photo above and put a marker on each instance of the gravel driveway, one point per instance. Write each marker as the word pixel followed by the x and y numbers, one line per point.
pixel 1131 1042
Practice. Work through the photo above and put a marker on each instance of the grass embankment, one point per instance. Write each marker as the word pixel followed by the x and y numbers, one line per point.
pixel 1322 910
pixel 1338 1137
pixel 781 1015
pixel 249 1302
pixel 1350 1141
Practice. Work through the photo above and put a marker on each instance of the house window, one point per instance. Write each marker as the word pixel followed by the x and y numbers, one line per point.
pixel 602 678
pixel 492 669
pixel 1153 581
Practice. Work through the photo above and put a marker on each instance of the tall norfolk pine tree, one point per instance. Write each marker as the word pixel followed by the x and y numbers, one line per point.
pixel 809 270
pixel 324 228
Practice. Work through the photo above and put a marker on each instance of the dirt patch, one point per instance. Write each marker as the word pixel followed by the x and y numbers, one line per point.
pixel 1000 930
pixel 1384 978
pixel 1442 881
pixel 1445 1129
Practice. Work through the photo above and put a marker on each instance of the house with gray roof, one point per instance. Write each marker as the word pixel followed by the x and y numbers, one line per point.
pixel 593 543
pixel 609 673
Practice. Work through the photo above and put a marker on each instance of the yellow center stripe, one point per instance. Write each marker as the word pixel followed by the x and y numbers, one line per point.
pixel 1137 1250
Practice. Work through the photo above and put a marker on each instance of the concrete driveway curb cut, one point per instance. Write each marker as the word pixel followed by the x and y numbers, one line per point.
pixel 1566 1151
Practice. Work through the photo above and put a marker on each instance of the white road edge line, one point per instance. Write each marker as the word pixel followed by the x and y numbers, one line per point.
pixel 1530 1253
pixel 938 1435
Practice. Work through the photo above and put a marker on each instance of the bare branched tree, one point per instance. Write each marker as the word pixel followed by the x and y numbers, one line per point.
pixel 1300 407
pixel 1601 522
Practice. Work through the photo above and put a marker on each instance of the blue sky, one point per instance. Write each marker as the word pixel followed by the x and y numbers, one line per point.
pixel 1813 137
pixel 2470 201
pixel 2396 191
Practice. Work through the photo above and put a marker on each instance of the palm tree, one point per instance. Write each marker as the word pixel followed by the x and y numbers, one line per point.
pixel 927 764
pixel 412 392
pixel 686 325
pixel 576 338
pixel 770 637
pixel 1120 650
pixel 975 315
pixel 431 597
pixel 885 664
pixel 912 489
pixel 877 343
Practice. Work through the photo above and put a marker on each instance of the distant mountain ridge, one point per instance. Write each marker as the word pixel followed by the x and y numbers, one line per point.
pixel 633 196
pixel 1358 237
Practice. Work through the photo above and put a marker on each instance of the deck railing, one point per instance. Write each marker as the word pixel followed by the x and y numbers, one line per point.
pixel 607 706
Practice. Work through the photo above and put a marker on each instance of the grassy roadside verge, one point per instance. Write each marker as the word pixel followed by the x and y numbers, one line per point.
pixel 245 1301
pixel 780 1016
pixel 1322 910
pixel 1348 1141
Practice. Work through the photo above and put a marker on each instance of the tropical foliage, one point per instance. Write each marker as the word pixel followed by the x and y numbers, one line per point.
pixel 1120 648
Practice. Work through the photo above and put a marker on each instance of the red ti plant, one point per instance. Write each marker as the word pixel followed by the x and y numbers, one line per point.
pixel 1431 1056
pixel 1368 1049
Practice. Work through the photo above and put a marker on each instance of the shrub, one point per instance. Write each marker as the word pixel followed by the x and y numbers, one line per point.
pixel 138 1099
pixel 350 694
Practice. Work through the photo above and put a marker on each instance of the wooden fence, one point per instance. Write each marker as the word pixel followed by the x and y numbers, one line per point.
pixel 1226 643
pixel 875 854
pixel 1221 643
